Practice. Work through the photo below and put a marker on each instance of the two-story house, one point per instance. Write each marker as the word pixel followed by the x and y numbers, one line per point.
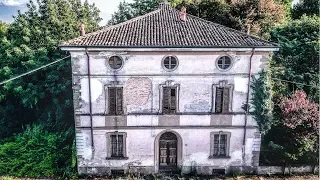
pixel 165 91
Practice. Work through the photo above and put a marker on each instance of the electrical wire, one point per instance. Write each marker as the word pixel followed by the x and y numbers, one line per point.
pixel 34 70
pixel 294 82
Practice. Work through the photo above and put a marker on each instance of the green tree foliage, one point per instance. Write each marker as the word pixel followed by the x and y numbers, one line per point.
pixel 124 13
pixel 3 29
pixel 307 7
pixel 298 134
pixel 294 67
pixel 255 17
pixel 44 97
pixel 298 57
pixel 31 42
pixel 32 153
pixel 261 102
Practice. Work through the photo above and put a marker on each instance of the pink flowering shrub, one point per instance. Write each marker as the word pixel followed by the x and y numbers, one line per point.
pixel 300 114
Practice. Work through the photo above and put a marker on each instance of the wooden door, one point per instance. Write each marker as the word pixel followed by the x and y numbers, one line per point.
pixel 168 150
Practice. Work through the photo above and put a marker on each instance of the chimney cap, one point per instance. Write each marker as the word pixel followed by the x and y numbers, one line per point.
pixel 82 29
pixel 183 14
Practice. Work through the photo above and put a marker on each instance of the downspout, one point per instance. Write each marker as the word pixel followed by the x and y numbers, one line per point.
pixel 247 108
pixel 90 103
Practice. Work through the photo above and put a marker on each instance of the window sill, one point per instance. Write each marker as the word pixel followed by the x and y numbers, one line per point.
pixel 219 157
pixel 117 158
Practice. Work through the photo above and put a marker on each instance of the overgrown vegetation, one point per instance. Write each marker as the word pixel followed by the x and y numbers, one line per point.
pixel 44 97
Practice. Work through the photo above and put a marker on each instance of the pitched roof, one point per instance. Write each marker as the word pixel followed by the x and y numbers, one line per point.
pixel 163 28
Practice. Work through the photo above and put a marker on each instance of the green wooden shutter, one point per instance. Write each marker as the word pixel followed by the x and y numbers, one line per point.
pixel 226 99
pixel 112 100
pixel 173 100
pixel 218 104
pixel 166 100
pixel 119 98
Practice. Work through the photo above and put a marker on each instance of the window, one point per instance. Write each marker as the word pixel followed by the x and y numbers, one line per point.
pixel 115 96
pixel 222 99
pixel 224 63
pixel 170 63
pixel 115 62
pixel 117 145
pixel 169 100
pixel 220 143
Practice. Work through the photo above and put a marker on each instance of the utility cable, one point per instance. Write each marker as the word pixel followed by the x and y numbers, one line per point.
pixel 34 70
pixel 294 82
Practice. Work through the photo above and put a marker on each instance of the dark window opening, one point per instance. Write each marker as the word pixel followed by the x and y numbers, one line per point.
pixel 224 62
pixel 222 100
pixel 117 146
pixel 115 100
pixel 169 100
pixel 220 145
pixel 117 172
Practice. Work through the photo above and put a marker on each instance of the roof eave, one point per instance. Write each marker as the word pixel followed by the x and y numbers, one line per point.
pixel 168 48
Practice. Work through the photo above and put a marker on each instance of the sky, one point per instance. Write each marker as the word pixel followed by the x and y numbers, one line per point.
pixel 9 8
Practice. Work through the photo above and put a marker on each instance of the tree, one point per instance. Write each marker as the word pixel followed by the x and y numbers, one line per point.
pixel 301 117
pixel 298 58
pixel 257 17
pixel 124 13
pixel 307 7
pixel 262 102
pixel 44 97
pixel 3 29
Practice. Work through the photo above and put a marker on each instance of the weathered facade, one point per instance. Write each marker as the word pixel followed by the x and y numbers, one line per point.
pixel 157 101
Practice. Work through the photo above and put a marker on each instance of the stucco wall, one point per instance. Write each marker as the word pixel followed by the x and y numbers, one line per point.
pixel 141 77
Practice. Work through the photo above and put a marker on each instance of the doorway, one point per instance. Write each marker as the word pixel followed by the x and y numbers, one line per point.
pixel 168 151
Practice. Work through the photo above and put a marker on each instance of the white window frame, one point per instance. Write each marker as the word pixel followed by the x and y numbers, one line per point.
pixel 108 136
pixel 106 89
pixel 169 84
pixel 212 144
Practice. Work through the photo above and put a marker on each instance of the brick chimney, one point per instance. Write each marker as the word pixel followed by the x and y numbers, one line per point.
pixel 183 14
pixel 81 29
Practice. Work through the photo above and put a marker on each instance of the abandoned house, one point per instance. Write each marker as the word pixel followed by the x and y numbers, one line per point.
pixel 165 92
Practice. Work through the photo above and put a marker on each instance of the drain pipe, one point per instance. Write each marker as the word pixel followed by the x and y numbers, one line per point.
pixel 90 103
pixel 247 108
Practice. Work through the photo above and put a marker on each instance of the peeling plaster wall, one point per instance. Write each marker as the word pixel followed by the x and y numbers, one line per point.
pixel 141 77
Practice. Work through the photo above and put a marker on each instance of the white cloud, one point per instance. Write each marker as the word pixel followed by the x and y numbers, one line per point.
pixel 10 3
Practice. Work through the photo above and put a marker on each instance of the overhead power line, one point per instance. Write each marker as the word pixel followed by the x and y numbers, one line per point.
pixel 34 70
pixel 294 82
pixel 44 66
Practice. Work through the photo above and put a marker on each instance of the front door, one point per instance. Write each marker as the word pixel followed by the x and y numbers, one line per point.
pixel 168 151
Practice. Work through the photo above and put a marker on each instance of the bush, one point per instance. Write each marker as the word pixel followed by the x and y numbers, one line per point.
pixel 35 153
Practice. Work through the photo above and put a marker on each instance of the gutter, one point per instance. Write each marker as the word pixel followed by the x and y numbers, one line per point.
pixel 134 47
pixel 90 103
pixel 247 108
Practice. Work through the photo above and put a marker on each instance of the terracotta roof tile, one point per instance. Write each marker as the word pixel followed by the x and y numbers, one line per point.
pixel 163 28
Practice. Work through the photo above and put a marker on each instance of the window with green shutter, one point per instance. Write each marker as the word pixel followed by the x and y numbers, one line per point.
pixel 169 100
pixel 222 100
pixel 115 98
